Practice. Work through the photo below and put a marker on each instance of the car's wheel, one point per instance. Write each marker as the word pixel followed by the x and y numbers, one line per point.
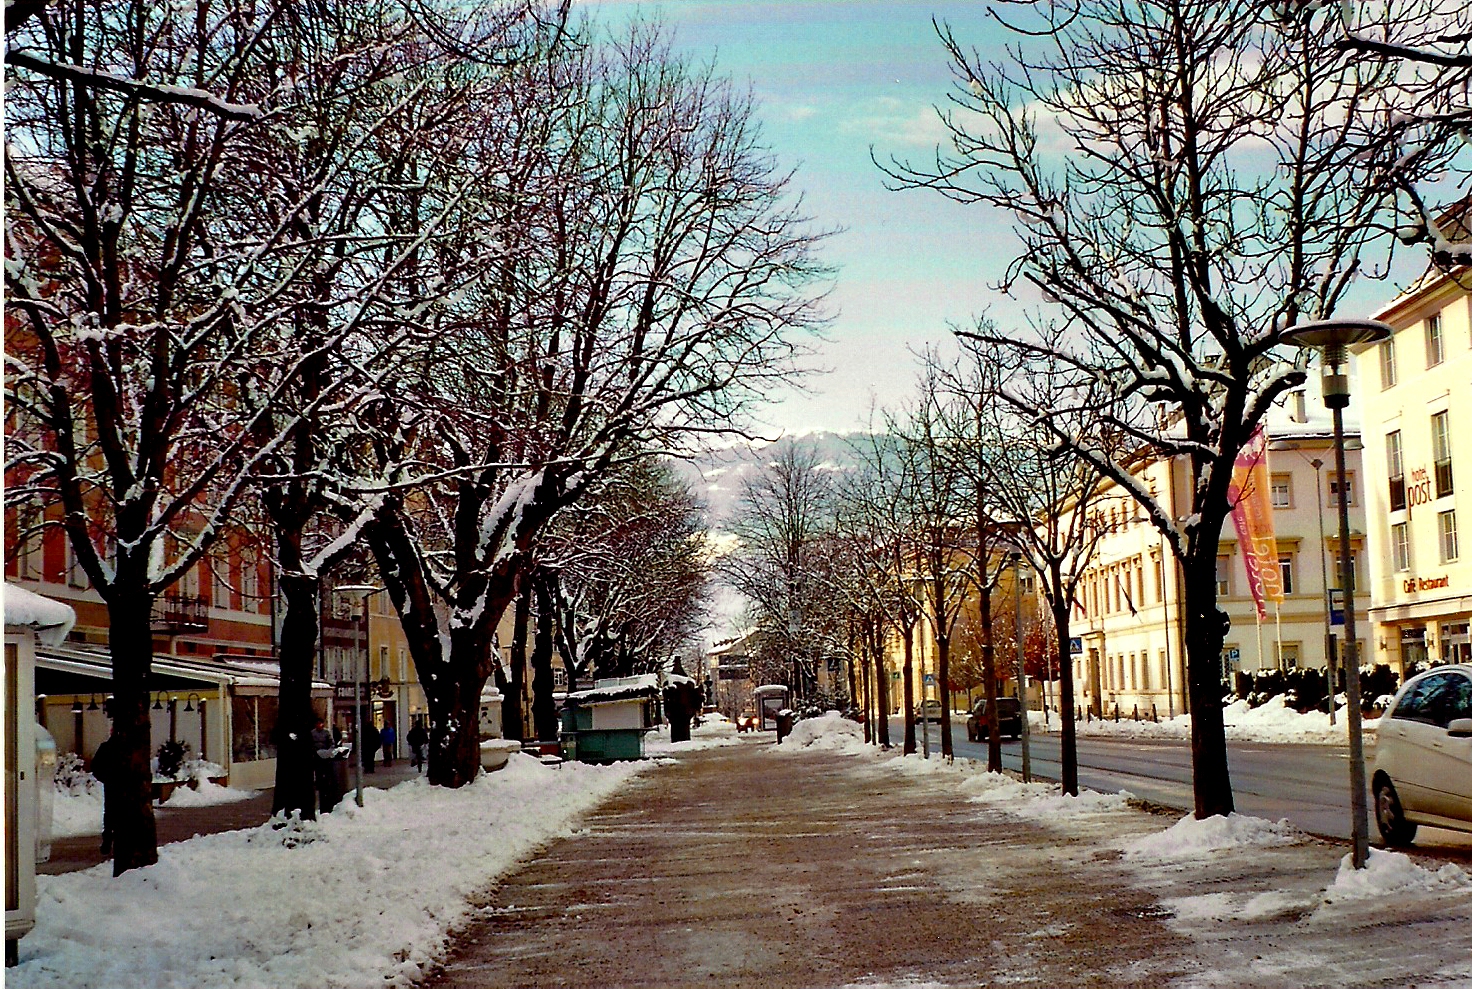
pixel 1389 817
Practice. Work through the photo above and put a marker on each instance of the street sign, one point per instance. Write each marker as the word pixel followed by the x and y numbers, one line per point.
pixel 1076 645
pixel 930 679
pixel 1336 606
pixel 1232 655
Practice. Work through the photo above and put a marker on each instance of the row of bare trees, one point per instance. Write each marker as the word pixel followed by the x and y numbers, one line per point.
pixel 397 279
pixel 912 529
pixel 1189 179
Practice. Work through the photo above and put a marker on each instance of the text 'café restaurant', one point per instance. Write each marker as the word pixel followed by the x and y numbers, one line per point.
pixel 1417 429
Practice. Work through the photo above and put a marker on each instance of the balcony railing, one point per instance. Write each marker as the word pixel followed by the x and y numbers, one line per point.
pixel 179 614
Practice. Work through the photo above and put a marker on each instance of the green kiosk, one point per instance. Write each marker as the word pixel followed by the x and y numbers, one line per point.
pixel 607 722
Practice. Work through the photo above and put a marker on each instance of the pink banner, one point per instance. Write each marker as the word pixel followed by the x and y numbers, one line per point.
pixel 1252 515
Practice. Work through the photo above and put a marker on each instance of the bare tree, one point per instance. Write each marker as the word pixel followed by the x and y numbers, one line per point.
pixel 1048 493
pixel 655 278
pixel 139 314
pixel 1185 187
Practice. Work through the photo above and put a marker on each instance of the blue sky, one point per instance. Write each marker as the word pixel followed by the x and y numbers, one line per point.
pixel 833 78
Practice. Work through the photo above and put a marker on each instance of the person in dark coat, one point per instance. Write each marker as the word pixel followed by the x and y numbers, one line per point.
pixel 417 738
pixel 324 749
pixel 388 738
pixel 105 768
pixel 371 741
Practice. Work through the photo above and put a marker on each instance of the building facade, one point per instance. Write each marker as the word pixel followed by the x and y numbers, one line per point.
pixel 1417 414
pixel 1127 623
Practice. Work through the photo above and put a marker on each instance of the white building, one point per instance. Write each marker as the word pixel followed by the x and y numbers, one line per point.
pixel 1416 406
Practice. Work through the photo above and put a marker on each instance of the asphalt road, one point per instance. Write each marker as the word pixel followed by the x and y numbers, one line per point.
pixel 1307 784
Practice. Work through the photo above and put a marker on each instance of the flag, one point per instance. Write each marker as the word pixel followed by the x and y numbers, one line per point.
pixel 1252 515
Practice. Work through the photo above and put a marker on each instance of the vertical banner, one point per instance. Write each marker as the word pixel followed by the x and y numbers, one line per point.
pixel 1252 515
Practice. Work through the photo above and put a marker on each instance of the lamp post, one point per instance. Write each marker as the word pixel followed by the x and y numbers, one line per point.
pixel 361 593
pixel 1332 338
pixel 1021 671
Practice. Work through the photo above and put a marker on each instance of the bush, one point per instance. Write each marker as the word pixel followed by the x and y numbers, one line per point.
pixel 171 758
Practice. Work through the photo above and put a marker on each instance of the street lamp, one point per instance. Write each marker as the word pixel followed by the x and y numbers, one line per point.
pixel 1332 338
pixel 1021 671
pixel 359 593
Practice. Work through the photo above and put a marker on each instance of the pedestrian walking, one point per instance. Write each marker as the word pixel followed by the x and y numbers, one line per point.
pixel 417 739
pixel 325 752
pixel 105 768
pixel 371 742
pixel 387 739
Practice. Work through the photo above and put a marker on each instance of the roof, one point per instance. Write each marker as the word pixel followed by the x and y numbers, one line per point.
pixel 50 619
pixel 166 672
pixel 616 689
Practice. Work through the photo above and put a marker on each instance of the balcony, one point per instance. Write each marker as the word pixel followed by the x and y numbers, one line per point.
pixel 178 614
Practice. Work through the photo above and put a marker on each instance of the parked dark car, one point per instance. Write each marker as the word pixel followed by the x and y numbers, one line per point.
pixel 1009 719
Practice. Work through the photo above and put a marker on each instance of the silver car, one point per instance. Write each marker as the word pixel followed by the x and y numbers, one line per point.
pixel 1423 756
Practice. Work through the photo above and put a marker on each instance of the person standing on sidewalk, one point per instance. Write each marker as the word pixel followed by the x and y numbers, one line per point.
pixel 325 750
pixel 104 767
pixel 417 739
pixel 370 747
pixel 388 738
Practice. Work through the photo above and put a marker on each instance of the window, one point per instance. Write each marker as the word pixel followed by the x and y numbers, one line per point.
pixel 383 663
pixel 1288 655
pixel 1223 576
pixel 1400 546
pixel 1441 452
pixel 1354 568
pixel 1159 579
pixel 1348 488
pixel 1396 469
pixel 1285 567
pixel 1282 490
pixel 403 665
pixel 1446 527
pixel 1387 364
pixel 1434 352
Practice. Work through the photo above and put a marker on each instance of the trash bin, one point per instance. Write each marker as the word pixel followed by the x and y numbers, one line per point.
pixel 786 718
pixel 45 791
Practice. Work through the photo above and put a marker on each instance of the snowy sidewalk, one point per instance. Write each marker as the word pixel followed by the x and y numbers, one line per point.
pixel 829 866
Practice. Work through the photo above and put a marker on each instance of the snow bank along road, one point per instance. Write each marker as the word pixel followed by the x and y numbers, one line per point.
pixel 750 865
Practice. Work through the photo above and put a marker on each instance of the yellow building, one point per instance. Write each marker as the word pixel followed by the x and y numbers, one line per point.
pixel 1417 415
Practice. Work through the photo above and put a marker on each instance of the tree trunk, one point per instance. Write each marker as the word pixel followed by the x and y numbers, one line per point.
pixel 1068 737
pixel 881 683
pixel 943 678
pixel 513 708
pixel 1206 630
pixel 865 677
pixel 909 634
pixel 295 791
pixel 989 688
pixel 544 709
pixel 129 792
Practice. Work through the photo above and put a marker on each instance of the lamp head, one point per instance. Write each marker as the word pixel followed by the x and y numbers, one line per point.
pixel 1332 337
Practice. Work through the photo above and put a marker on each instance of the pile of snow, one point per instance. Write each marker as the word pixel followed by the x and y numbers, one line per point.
pixel 52 620
pixel 713 732
pixel 1190 838
pixel 342 901
pixel 77 813
pixel 206 794
pixel 830 731
pixel 1393 872
pixel 1273 722
pixel 1038 801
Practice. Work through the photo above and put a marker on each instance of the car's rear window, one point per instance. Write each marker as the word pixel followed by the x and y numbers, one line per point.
pixel 1007 705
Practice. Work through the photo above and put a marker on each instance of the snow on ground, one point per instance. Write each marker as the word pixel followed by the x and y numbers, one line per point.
pixel 360 897
pixel 207 795
pixel 1392 873
pixel 1274 721
pixel 713 732
pixel 77 813
pixel 830 731
pixel 1190 838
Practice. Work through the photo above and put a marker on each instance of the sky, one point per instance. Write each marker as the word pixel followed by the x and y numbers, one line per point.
pixel 834 79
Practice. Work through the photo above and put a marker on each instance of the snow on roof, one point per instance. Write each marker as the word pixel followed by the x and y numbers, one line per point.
pixel 769 690
pixel 617 689
pixel 52 620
